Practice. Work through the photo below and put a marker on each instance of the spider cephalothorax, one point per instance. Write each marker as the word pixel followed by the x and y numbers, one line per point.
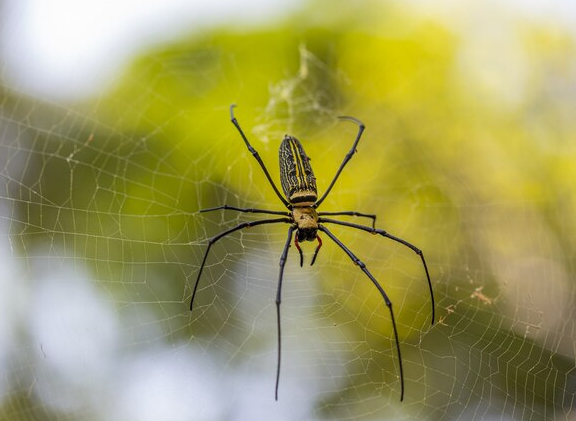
pixel 306 223
pixel 301 200
pixel 306 219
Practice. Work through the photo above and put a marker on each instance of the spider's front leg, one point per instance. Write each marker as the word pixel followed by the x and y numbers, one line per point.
pixel 387 301
pixel 297 244
pixel 398 240
pixel 317 249
pixel 283 259
pixel 224 234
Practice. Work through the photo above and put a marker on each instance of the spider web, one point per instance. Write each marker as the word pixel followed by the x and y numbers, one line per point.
pixel 102 240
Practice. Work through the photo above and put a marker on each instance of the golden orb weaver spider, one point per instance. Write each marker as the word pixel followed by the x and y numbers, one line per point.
pixel 299 186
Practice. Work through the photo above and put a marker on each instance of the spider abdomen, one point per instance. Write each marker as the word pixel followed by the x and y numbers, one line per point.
pixel 296 175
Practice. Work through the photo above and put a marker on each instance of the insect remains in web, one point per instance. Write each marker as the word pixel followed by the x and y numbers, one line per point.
pixel 305 222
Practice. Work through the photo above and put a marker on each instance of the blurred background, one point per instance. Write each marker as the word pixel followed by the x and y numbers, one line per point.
pixel 114 132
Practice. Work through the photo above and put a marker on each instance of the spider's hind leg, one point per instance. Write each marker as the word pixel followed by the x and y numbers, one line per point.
pixel 256 155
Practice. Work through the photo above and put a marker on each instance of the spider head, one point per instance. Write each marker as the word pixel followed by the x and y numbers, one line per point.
pixel 306 220
pixel 307 234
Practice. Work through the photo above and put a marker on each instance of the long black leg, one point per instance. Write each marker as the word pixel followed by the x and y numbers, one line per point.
pixel 350 213
pixel 246 210
pixel 257 156
pixel 347 158
pixel 283 259
pixel 398 240
pixel 225 233
pixel 387 301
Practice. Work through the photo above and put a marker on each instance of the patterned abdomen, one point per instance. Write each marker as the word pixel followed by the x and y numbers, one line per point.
pixel 296 175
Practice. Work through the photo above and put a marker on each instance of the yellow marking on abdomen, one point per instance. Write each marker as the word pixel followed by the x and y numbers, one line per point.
pixel 297 163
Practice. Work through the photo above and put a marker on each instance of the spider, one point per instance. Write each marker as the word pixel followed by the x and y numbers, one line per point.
pixel 304 221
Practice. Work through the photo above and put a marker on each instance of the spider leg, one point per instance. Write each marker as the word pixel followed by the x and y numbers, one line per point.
pixel 350 213
pixel 387 301
pixel 224 234
pixel 246 210
pixel 393 238
pixel 317 250
pixel 283 259
pixel 297 244
pixel 257 157
pixel 347 158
